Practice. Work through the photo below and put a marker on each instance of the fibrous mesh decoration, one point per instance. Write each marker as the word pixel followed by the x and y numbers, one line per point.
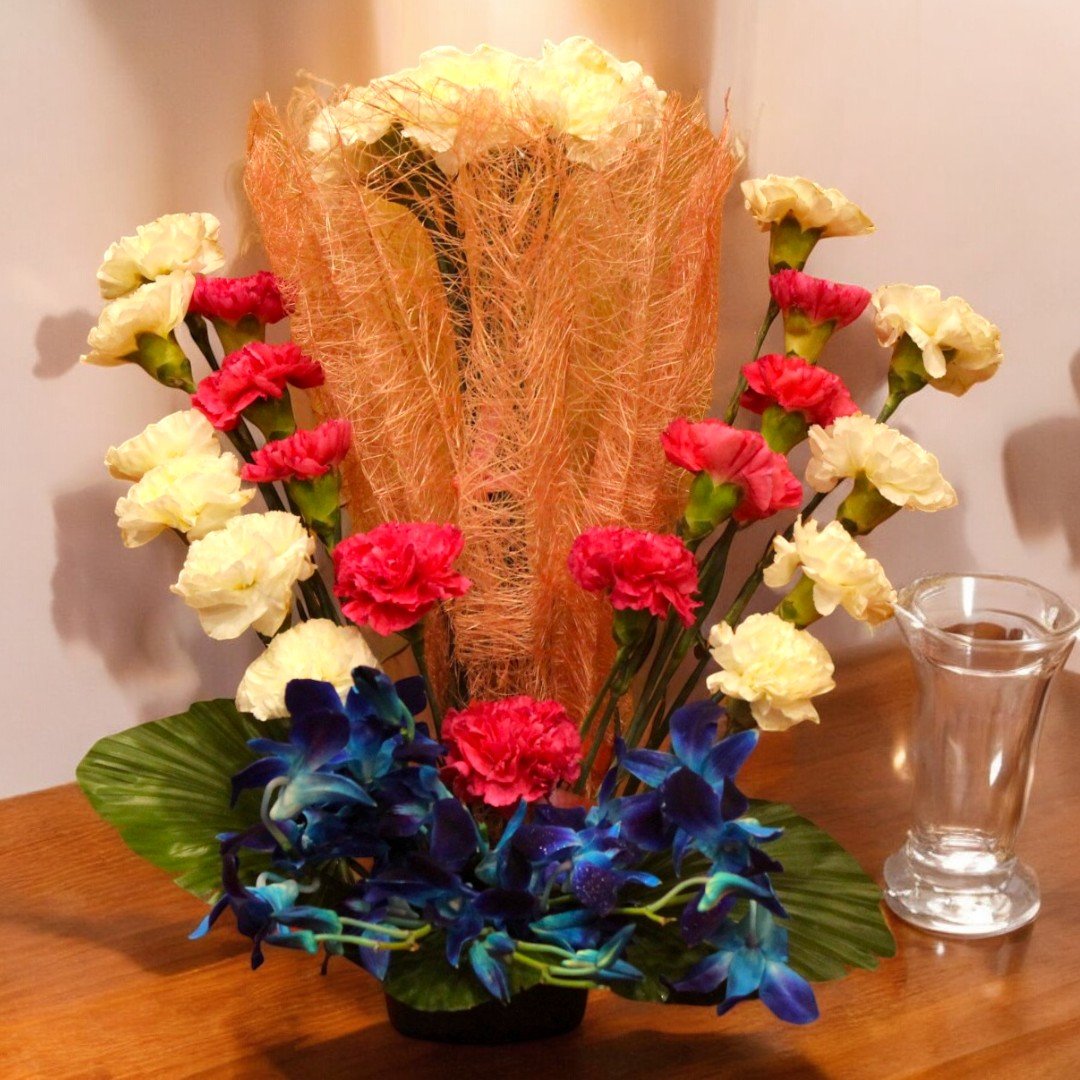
pixel 508 340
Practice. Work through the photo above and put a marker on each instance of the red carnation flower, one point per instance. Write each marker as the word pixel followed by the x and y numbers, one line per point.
pixel 511 749
pixel 813 308
pixel 254 373
pixel 233 299
pixel 796 386
pixel 733 456
pixel 304 455
pixel 819 300
pixel 642 571
pixel 391 577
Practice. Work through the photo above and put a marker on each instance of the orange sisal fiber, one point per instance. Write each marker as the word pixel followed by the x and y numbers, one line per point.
pixel 508 343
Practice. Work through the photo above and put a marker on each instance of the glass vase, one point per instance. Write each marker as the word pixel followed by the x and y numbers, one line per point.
pixel 985 649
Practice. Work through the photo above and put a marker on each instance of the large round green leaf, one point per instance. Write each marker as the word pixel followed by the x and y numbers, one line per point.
pixel 835 908
pixel 165 785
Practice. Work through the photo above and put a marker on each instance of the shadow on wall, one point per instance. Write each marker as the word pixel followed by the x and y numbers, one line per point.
pixel 1042 477
pixel 60 341
pixel 118 602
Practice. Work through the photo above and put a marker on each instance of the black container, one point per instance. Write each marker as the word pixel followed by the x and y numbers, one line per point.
pixel 536 1013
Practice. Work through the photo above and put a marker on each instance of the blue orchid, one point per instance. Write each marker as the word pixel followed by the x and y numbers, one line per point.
pixel 269 913
pixel 319 733
pixel 751 959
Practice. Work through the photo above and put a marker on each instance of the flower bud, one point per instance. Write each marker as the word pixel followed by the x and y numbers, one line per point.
pixel 798 607
pixel 783 430
pixel 272 416
pixel 865 508
pixel 630 625
pixel 790 244
pixel 710 505
pixel 318 502
pixel 164 360
pixel 907 372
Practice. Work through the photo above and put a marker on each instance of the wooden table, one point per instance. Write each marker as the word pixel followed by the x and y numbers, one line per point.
pixel 98 979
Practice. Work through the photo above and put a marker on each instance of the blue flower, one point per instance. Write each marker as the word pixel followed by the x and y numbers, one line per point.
pixel 269 913
pixel 751 959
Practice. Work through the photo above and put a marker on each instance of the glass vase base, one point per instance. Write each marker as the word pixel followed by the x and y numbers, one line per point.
pixel 965 910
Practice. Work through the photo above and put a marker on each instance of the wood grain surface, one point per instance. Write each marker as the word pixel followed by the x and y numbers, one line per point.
pixel 98 979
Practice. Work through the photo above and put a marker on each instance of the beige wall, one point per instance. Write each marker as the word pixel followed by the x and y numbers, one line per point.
pixel 953 123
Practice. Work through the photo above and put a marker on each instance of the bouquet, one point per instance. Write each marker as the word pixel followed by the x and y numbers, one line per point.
pixel 501 280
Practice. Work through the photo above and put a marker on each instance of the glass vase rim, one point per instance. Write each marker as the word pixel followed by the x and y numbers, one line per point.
pixel 907 605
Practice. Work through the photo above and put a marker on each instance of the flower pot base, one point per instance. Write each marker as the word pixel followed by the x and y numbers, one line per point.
pixel 537 1013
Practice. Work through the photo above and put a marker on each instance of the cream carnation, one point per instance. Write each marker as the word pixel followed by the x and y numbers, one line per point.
pixel 180 434
pixel 901 470
pixel 959 347
pixel 193 495
pixel 457 106
pixel 842 573
pixel 773 666
pixel 316 649
pixel 242 576
pixel 812 206
pixel 601 103
pixel 157 307
pixel 429 103
pixel 173 242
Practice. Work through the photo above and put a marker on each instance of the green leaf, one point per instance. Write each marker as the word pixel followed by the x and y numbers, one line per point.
pixel 165 785
pixel 836 920
pixel 657 951
pixel 425 980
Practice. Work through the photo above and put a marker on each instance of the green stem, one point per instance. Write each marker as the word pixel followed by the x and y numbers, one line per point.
pixel 733 405
pixel 892 403
pixel 598 741
pixel 196 325
pixel 712 575
pixel 415 637
pixel 378 928
pixel 594 708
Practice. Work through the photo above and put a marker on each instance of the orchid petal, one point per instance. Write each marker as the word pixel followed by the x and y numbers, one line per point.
pixel 787 994
pixel 693 731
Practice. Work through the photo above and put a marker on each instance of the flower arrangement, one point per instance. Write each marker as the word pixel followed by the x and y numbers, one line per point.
pixel 500 275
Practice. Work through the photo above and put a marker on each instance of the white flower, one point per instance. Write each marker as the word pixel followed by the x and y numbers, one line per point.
pixel 842 573
pixel 173 242
pixel 157 307
pixel 430 103
pixel 901 470
pixel 813 207
pixel 194 495
pixel 242 575
pixel 601 103
pixel 775 667
pixel 959 347
pixel 457 106
pixel 180 434
pixel 316 649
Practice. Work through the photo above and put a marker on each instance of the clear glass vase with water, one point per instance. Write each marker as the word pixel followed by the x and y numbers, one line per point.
pixel 985 649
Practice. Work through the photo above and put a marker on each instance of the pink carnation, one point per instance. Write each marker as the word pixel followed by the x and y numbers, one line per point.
pixel 733 456
pixel 642 571
pixel 819 300
pixel 304 455
pixel 391 577
pixel 253 373
pixel 511 749
pixel 796 386
pixel 233 299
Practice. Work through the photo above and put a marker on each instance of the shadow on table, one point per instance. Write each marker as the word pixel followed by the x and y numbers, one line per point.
pixel 378 1052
